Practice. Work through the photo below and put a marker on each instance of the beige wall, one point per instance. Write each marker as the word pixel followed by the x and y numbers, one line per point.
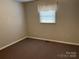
pixel 66 28
pixel 12 23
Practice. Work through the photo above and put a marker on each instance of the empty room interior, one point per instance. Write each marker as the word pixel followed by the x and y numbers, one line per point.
pixel 39 29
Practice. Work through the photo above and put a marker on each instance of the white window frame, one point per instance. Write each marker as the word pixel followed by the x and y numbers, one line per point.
pixel 43 10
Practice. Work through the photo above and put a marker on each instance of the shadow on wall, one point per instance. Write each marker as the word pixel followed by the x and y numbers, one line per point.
pixel 66 27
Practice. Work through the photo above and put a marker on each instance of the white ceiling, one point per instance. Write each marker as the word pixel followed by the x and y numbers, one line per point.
pixel 24 0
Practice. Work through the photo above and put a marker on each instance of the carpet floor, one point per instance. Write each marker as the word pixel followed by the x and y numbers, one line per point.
pixel 38 49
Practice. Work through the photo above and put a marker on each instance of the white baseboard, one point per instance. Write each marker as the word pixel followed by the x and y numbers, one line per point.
pixel 77 44
pixel 12 43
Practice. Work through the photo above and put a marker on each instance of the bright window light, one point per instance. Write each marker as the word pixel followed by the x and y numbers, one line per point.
pixel 47 13
pixel 47 16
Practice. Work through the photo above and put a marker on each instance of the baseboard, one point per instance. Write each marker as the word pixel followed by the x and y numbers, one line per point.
pixel 77 44
pixel 12 43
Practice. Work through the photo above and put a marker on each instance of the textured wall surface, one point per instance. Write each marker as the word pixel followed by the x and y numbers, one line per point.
pixel 12 23
pixel 67 24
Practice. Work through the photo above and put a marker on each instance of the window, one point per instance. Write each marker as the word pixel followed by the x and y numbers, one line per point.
pixel 47 14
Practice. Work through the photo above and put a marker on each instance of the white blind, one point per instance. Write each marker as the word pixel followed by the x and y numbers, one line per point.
pixel 47 12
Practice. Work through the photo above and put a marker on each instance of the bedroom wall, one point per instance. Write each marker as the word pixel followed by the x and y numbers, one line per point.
pixel 67 25
pixel 12 22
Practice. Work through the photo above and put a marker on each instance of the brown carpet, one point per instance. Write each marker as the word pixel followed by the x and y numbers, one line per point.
pixel 38 49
